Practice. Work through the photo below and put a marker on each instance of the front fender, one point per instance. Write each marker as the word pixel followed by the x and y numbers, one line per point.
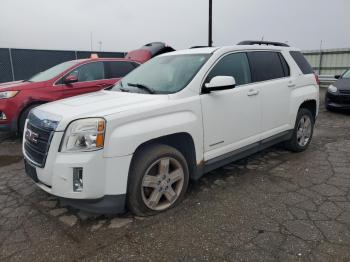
pixel 125 138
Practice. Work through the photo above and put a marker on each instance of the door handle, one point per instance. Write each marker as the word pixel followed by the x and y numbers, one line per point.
pixel 291 84
pixel 252 92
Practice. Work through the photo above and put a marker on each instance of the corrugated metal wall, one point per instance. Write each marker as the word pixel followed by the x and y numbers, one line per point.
pixel 329 61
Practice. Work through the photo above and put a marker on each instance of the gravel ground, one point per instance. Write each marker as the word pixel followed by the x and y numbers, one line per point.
pixel 273 206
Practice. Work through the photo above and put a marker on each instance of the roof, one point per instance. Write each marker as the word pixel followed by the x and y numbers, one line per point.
pixel 209 50
pixel 102 59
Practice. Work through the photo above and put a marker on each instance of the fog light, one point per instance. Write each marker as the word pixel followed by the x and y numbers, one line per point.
pixel 77 179
pixel 2 116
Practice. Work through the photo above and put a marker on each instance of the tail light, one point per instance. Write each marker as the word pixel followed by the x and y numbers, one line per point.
pixel 317 78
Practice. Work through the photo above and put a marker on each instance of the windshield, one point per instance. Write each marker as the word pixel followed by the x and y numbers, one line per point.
pixel 346 74
pixel 162 75
pixel 52 72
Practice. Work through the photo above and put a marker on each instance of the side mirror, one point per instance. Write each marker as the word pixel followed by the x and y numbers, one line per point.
pixel 70 79
pixel 337 76
pixel 218 83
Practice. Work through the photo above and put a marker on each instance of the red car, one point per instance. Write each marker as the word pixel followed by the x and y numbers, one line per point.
pixel 65 80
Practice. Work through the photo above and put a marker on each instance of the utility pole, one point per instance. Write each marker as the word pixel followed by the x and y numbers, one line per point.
pixel 90 41
pixel 210 34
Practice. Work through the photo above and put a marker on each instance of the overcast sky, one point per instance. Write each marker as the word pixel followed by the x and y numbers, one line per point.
pixel 122 25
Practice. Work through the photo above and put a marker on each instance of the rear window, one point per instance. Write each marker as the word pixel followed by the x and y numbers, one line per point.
pixel 301 62
pixel 118 69
pixel 266 65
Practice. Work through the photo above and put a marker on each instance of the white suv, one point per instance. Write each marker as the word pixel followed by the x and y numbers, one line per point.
pixel 176 117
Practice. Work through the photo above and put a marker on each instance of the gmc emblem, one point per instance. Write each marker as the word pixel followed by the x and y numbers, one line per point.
pixel 31 136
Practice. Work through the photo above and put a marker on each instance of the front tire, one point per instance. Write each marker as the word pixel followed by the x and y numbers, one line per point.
pixel 158 180
pixel 303 131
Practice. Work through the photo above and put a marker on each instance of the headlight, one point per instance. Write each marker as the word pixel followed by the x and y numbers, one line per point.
pixel 84 135
pixel 8 94
pixel 332 89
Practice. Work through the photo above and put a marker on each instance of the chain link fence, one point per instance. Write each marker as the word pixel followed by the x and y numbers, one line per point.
pixel 19 64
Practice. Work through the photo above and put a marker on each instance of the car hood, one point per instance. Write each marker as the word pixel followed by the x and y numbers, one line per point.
pixel 98 104
pixel 19 85
pixel 342 84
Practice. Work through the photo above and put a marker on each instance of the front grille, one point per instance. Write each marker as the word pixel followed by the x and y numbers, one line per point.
pixel 346 92
pixel 37 143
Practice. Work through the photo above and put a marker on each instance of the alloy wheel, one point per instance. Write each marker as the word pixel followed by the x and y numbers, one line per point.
pixel 162 183
pixel 304 130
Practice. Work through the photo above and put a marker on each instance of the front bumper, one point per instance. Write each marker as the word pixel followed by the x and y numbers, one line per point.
pixel 337 100
pixel 10 124
pixel 104 179
pixel 5 127
pixel 106 205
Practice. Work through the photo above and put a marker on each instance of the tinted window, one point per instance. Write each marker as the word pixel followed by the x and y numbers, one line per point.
pixel 119 69
pixel 301 62
pixel 265 65
pixel 89 72
pixel 235 65
pixel 52 72
pixel 285 65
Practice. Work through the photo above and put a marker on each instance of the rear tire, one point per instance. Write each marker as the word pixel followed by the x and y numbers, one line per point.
pixel 23 117
pixel 303 131
pixel 158 180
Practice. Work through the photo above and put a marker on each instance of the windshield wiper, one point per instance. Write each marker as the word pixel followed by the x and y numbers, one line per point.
pixel 144 87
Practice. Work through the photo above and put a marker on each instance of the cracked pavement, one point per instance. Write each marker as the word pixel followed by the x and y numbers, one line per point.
pixel 273 206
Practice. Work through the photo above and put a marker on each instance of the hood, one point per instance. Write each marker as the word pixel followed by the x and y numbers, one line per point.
pixel 342 84
pixel 19 85
pixel 98 104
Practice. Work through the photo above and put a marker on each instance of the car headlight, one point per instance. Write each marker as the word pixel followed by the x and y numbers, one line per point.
pixel 84 135
pixel 8 94
pixel 332 89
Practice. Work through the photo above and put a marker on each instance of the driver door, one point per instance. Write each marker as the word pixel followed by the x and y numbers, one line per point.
pixel 231 118
pixel 91 78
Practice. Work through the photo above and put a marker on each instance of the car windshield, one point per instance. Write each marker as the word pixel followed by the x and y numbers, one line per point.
pixel 163 75
pixel 346 74
pixel 52 72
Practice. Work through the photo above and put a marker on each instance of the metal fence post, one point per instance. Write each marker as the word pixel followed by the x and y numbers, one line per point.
pixel 11 64
pixel 76 55
pixel 320 65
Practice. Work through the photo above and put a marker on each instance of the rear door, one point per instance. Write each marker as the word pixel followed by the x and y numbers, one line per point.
pixel 91 78
pixel 271 73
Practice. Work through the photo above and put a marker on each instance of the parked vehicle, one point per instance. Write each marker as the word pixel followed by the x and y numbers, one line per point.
pixel 148 51
pixel 338 93
pixel 65 80
pixel 174 118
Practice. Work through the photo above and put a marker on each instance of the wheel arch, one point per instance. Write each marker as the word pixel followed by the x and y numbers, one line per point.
pixel 183 142
pixel 32 103
pixel 310 104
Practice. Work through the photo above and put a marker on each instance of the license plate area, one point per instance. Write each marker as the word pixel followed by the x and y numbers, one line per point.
pixel 30 171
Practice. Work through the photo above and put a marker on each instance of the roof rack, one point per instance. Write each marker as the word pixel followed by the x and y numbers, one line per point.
pixel 249 42
pixel 198 46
